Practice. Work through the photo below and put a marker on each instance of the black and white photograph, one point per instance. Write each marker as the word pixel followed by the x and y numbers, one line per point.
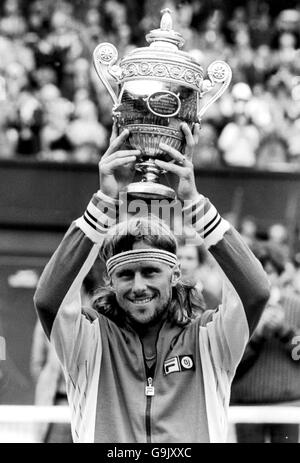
pixel 149 224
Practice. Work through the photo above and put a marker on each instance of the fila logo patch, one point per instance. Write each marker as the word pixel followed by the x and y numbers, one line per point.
pixel 171 365
pixel 179 363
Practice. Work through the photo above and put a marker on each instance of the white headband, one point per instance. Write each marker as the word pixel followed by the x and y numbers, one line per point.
pixel 149 254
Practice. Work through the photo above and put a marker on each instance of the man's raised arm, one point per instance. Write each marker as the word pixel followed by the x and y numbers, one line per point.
pixel 236 260
pixel 57 298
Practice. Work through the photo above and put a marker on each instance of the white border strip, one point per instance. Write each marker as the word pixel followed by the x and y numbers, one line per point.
pixel 237 414
pixel 34 414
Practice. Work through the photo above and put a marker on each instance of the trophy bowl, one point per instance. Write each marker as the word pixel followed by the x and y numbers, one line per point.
pixel 160 87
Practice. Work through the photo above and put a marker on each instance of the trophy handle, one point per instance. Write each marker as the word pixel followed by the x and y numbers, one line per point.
pixel 105 56
pixel 218 72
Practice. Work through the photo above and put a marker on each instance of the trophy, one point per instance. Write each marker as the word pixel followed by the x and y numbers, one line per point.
pixel 160 86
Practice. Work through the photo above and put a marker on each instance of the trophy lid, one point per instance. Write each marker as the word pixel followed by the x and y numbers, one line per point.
pixel 165 33
pixel 162 59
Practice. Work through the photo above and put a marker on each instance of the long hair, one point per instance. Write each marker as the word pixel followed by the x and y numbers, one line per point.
pixel 186 302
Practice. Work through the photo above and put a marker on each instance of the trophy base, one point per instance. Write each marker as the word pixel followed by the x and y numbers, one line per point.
pixel 150 190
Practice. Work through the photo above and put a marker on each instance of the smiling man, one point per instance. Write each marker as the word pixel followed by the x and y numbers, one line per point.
pixel 147 363
pixel 143 289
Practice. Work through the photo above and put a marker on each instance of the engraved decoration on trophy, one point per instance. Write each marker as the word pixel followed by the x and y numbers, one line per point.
pixel 160 86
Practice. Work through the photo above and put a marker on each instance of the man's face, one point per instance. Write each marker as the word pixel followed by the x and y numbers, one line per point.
pixel 143 289
pixel 189 262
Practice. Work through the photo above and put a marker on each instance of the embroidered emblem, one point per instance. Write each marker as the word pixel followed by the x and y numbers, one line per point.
pixel 171 365
pixel 179 363
pixel 186 362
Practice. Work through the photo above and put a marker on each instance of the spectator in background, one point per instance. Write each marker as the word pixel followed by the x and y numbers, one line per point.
pixel 54 139
pixel 87 136
pixel 29 124
pixel 62 46
pixel 13 27
pixel 211 38
pixel 12 18
pixel 38 20
pixel 239 139
pixel 93 30
pixel 81 75
pixel 278 235
pixel 262 65
pixel 242 55
pixel 50 387
pixel 257 106
pixel 8 136
pixel 272 152
pixel 261 25
pixel 200 270
pixel 207 154
pixel 22 111
pixel 45 75
pixel 190 258
pixel 268 373
pixel 17 81
pixel 280 101
pixel 248 230
pixel 287 53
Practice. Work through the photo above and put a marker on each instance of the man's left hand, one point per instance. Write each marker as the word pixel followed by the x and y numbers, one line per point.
pixel 182 165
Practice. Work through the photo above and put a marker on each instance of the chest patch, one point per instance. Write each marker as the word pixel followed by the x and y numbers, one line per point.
pixel 179 363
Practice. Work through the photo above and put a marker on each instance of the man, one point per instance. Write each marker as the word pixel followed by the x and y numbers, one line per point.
pixel 199 269
pixel 142 367
pixel 269 373
pixel 50 387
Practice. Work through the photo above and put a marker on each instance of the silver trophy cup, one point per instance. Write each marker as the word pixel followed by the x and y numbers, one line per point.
pixel 160 87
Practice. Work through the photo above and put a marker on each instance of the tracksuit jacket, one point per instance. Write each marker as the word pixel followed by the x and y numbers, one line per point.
pixel 107 382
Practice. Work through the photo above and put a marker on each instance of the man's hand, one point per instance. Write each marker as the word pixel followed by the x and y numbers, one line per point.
pixel 183 165
pixel 116 167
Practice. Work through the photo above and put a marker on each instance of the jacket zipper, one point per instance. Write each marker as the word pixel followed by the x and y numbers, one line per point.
pixel 149 391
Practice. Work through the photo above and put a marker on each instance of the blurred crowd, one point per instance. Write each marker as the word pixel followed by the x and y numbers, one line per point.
pixel 53 105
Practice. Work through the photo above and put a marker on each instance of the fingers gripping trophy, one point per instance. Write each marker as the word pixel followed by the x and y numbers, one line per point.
pixel 160 88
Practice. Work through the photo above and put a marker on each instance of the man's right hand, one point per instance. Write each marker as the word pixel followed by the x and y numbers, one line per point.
pixel 116 167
